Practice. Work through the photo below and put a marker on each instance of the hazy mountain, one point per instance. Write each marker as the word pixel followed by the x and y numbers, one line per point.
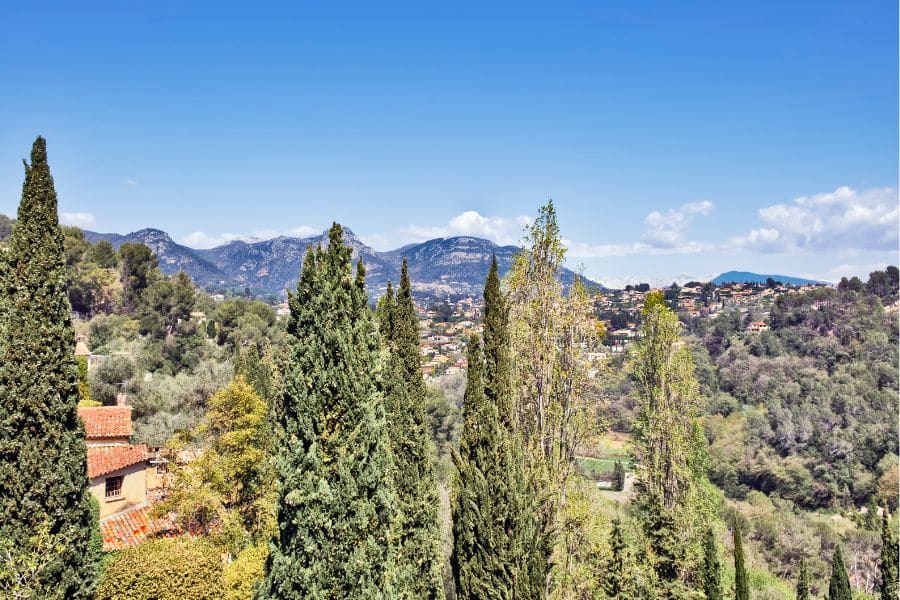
pixel 456 265
pixel 747 277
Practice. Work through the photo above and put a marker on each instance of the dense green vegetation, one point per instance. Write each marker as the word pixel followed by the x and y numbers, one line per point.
pixel 46 520
pixel 764 464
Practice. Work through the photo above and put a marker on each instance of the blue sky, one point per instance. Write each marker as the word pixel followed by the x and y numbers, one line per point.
pixel 675 138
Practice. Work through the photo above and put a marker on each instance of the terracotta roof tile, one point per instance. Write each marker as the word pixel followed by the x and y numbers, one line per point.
pixel 106 421
pixel 106 459
pixel 134 527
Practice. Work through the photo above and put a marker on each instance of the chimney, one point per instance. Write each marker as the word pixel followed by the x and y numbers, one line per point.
pixel 121 398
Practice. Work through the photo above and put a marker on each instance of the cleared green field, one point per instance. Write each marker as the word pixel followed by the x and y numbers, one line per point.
pixel 598 467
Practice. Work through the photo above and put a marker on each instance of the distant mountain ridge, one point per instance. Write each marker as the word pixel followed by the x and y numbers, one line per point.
pixel 748 277
pixel 439 267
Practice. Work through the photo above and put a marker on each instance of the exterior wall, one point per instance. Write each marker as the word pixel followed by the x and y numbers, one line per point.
pixel 134 489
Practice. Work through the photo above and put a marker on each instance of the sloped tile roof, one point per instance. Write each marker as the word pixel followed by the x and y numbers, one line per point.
pixel 134 527
pixel 106 421
pixel 107 459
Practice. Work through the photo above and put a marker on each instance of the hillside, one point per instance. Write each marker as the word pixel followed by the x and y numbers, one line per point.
pixel 748 277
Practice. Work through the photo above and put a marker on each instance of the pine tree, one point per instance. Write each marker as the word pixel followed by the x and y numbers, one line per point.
pixel 803 582
pixel 419 558
pixel 889 571
pixel 712 573
pixel 741 584
pixel 336 503
pixel 839 586
pixel 43 464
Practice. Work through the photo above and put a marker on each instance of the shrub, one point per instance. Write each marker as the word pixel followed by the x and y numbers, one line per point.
pixel 172 569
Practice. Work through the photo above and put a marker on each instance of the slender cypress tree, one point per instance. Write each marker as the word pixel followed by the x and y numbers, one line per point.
pixel 888 587
pixel 615 578
pixel 499 551
pixel 839 586
pixel 336 502
pixel 497 358
pixel 803 582
pixel 419 556
pixel 712 572
pixel 741 584
pixel 43 464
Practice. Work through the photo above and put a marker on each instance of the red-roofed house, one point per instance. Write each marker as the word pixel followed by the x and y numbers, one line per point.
pixel 118 471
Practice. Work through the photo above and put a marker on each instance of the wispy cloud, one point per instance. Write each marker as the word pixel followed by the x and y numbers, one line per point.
pixel 842 220
pixel 667 230
pixel 664 233
pixel 78 219
pixel 132 183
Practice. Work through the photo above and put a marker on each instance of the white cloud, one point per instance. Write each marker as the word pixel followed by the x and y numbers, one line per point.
pixel 78 219
pixel 666 230
pixel 201 239
pixel 842 220
pixel 502 230
pixel 665 233
pixel 132 183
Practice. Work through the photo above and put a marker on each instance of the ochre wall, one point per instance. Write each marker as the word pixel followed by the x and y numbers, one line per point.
pixel 134 489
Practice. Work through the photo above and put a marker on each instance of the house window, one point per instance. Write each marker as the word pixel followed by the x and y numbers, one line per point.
pixel 162 468
pixel 114 487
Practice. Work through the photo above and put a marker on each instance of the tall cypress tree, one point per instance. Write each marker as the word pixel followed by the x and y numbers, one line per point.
pixel 498 550
pixel 419 556
pixel 43 463
pixel 336 501
pixel 803 582
pixel 839 586
pixel 741 584
pixel 712 572
pixel 497 358
pixel 888 588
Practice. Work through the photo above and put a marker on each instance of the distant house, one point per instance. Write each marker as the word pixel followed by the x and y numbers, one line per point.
pixel 757 327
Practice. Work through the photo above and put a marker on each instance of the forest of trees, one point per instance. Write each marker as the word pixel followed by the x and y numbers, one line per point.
pixel 765 464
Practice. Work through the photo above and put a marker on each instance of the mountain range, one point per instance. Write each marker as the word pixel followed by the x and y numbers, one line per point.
pixel 438 267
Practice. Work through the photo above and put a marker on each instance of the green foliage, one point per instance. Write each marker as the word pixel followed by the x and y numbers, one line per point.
pixel 839 585
pixel 84 390
pixel 103 255
pixel 493 526
pixel 618 476
pixel 242 576
pixel 165 316
pixel 741 584
pixel 809 407
pixel 889 559
pixel 240 321
pixel 23 566
pixel 418 558
pixel 139 268
pixel 674 504
pixel 336 507
pixel 169 569
pixel 112 376
pixel 228 490
pixel 711 576
pixel 615 579
pixel 803 582
pixel 43 480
